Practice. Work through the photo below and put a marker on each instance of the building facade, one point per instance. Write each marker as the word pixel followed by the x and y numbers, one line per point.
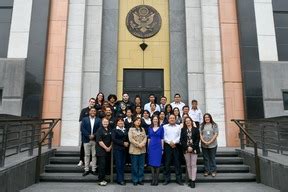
pixel 230 55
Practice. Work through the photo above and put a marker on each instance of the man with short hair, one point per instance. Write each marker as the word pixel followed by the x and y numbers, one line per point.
pixel 125 101
pixel 110 118
pixel 178 103
pixel 151 100
pixel 163 103
pixel 84 113
pixel 195 113
pixel 185 110
pixel 172 132
pixel 89 126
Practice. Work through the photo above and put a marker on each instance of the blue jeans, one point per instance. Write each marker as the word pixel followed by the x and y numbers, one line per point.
pixel 137 163
pixel 209 159
pixel 120 159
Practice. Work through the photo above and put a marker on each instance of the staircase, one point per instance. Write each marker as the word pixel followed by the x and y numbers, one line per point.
pixel 230 168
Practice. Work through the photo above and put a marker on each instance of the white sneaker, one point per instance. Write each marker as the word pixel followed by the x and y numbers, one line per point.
pixel 103 183
pixel 80 164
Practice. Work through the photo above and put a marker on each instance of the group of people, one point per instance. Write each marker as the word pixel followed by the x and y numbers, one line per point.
pixel 152 134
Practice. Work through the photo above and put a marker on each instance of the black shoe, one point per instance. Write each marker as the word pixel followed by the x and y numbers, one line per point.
pixel 134 183
pixel 85 173
pixel 121 183
pixel 93 173
pixel 166 182
pixel 192 184
pixel 179 182
pixel 156 183
pixel 140 183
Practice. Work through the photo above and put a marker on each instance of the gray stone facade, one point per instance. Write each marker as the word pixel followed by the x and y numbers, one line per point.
pixel 274 82
pixel 12 75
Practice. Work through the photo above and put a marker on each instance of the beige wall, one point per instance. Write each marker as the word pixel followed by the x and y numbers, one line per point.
pixel 156 55
pixel 54 72
pixel 233 91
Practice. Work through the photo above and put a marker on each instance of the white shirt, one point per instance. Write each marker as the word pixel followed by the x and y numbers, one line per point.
pixel 92 121
pixel 147 107
pixel 180 105
pixel 196 115
pixel 172 133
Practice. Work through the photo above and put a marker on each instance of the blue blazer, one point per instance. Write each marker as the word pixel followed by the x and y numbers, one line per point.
pixel 86 128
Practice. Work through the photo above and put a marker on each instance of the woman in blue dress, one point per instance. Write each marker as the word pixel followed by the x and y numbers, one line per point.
pixel 155 148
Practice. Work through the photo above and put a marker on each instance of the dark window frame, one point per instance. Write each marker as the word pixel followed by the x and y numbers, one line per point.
pixel 285 99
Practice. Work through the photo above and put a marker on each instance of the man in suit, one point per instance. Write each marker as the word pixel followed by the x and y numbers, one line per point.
pixel 89 127
pixel 163 103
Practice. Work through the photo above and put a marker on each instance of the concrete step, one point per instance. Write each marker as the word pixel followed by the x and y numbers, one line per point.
pixel 77 154
pixel 219 160
pixel 69 168
pixel 77 177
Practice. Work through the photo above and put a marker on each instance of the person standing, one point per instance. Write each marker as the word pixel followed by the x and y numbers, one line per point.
pixel 163 103
pixel 137 112
pixel 168 110
pixel 178 103
pixel 189 140
pixel 146 120
pixel 153 110
pixel 208 135
pixel 125 101
pixel 103 150
pixel 84 113
pixel 120 143
pixel 99 102
pixel 176 112
pixel 128 120
pixel 112 101
pixel 172 132
pixel 155 148
pixel 137 150
pixel 152 99
pixel 110 117
pixel 89 126
pixel 137 101
pixel 195 113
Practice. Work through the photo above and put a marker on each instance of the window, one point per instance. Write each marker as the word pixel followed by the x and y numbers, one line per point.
pixel 285 100
pixel 281 30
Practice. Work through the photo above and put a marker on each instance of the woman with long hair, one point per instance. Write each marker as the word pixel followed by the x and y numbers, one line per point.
pixel 137 137
pixel 189 140
pixel 176 112
pixel 138 101
pixel 162 118
pixel 155 148
pixel 208 135
pixel 99 101
pixel 168 110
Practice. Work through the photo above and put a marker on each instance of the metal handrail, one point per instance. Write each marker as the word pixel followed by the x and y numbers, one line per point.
pixel 50 134
pixel 24 134
pixel 257 164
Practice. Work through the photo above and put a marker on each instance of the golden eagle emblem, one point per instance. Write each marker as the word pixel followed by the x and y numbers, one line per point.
pixel 143 21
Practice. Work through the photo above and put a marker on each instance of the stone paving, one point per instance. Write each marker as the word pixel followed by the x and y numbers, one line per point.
pixel 172 187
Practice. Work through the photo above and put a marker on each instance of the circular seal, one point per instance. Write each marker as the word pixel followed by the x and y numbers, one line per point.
pixel 143 21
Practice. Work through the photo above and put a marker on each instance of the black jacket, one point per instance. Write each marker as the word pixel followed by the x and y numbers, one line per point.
pixel 106 138
pixel 118 139
pixel 195 139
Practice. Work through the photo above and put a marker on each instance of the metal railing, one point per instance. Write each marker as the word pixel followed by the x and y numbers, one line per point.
pixel 245 136
pixel 271 135
pixel 22 135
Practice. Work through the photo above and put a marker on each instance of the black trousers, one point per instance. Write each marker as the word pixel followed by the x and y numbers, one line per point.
pixel 103 166
pixel 172 154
